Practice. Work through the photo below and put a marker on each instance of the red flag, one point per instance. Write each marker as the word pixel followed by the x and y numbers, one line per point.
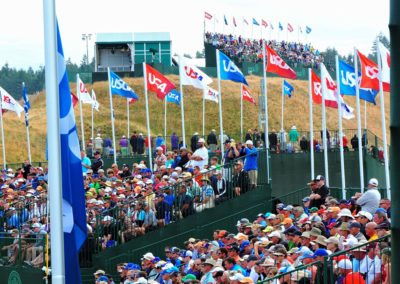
pixel 208 16
pixel 247 96
pixel 234 21
pixel 369 73
pixel 316 88
pixel 264 23
pixel 132 100
pixel 156 82
pixel 276 65
pixel 74 99
pixel 290 28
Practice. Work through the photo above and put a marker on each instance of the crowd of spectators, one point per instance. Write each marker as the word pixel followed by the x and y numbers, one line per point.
pixel 275 244
pixel 250 50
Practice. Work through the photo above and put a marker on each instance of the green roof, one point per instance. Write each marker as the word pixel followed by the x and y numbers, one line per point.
pixel 132 37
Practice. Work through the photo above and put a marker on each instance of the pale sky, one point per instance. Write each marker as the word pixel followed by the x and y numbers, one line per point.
pixel 342 24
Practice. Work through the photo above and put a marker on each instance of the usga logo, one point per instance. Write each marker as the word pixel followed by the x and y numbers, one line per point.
pixel 153 80
pixel 276 60
pixel 119 84
pixel 229 66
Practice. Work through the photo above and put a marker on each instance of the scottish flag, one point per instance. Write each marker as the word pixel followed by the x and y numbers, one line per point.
pixel 27 104
pixel 229 71
pixel 119 87
pixel 174 97
pixel 348 83
pixel 74 216
pixel 287 89
pixel 308 29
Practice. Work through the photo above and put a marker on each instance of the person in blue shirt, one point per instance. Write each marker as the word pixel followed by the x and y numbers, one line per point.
pixel 251 163
pixel 86 163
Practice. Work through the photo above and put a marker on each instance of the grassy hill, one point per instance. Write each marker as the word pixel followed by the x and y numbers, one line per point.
pixel 296 113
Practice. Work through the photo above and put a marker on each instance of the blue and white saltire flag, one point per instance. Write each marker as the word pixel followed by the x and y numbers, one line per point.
pixel 27 104
pixel 255 22
pixel 308 30
pixel 287 89
pixel 119 87
pixel 229 71
pixel 74 214
pixel 174 97
pixel 348 83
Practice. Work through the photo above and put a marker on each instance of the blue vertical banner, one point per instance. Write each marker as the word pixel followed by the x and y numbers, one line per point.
pixel 74 214
pixel 119 87
pixel 287 89
pixel 27 104
pixel 229 71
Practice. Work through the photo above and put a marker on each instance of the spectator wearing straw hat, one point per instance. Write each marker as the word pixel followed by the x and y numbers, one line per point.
pixel 207 198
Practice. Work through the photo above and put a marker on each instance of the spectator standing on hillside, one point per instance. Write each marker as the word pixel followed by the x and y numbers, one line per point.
pixel 328 138
pixel 354 142
pixel 98 162
pixel 304 144
pixel 27 168
pixel 193 141
pixel 108 146
pixel 159 141
pixel 241 179
pixel 293 136
pixel 273 141
pixel 319 192
pixel 133 141
pixel 174 142
pixel 251 163
pixel 345 142
pixel 98 144
pixel 140 144
pixel 212 140
pixel 123 145
pixel 249 135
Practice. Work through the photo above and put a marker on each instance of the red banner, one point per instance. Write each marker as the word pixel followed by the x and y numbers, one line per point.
pixel 276 65
pixel 247 96
pixel 157 82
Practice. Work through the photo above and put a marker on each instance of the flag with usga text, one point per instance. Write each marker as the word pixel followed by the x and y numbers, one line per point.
pixel 229 71
pixel 287 89
pixel 157 82
pixel 276 65
pixel 119 87
pixel 255 22
pixel 73 202
pixel 207 15
pixel 83 93
pixel 247 95
pixel 95 103
pixel 264 23
pixel 9 103
pixel 211 95
pixel 348 79
pixel 385 66
pixel 192 75
pixel 174 97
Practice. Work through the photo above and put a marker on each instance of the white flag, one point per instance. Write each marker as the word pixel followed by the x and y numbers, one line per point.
pixel 8 103
pixel 331 97
pixel 83 94
pixel 192 75
pixel 211 94
pixel 95 103
pixel 385 57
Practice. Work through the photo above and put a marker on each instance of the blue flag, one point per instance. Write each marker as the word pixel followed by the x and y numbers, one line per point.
pixel 255 22
pixel 308 29
pixel 280 26
pixel 225 20
pixel 27 104
pixel 348 83
pixel 174 97
pixel 229 71
pixel 74 214
pixel 287 89
pixel 119 87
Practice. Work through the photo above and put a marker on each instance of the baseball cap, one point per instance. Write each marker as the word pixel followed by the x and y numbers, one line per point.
pixel 373 181
pixel 244 244
pixel 201 140
pixel 287 221
pixel 354 225
pixel 319 177
pixel 189 277
pixel 280 206
pixel 249 142
pixel 380 210
pixel 364 214
pixel 102 278
pixel 275 234
pixel 320 252
pixel 235 276
pixel 345 264
pixel 132 266
pixel 99 272
pixel 307 254
pixel 306 199
pixel 148 256
pixel 271 216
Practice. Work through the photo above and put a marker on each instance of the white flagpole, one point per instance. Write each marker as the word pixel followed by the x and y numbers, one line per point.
pixel 266 111
pixel 204 109
pixel 385 150
pixel 127 117
pixel 92 122
pixel 27 131
pixel 283 101
pixel 147 117
pixel 78 92
pixel 54 143
pixel 310 105
pixel 340 130
pixel 241 112
pixel 2 135
pixel 112 116
pixel 182 106
pixel 165 120
pixel 221 127
pixel 324 138
pixel 365 115
pixel 360 148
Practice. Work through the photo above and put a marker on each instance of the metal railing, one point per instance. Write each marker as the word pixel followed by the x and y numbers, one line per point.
pixel 295 275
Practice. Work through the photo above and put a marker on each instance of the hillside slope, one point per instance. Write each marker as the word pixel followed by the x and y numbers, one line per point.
pixel 296 113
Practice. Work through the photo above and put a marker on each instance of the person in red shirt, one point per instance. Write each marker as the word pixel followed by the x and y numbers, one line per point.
pixel 345 143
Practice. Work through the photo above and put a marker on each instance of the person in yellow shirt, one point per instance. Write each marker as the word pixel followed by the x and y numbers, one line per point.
pixel 370 231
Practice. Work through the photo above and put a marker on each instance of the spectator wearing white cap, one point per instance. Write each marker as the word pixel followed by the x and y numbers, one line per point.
pixel 251 163
pixel 369 201
pixel 200 156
